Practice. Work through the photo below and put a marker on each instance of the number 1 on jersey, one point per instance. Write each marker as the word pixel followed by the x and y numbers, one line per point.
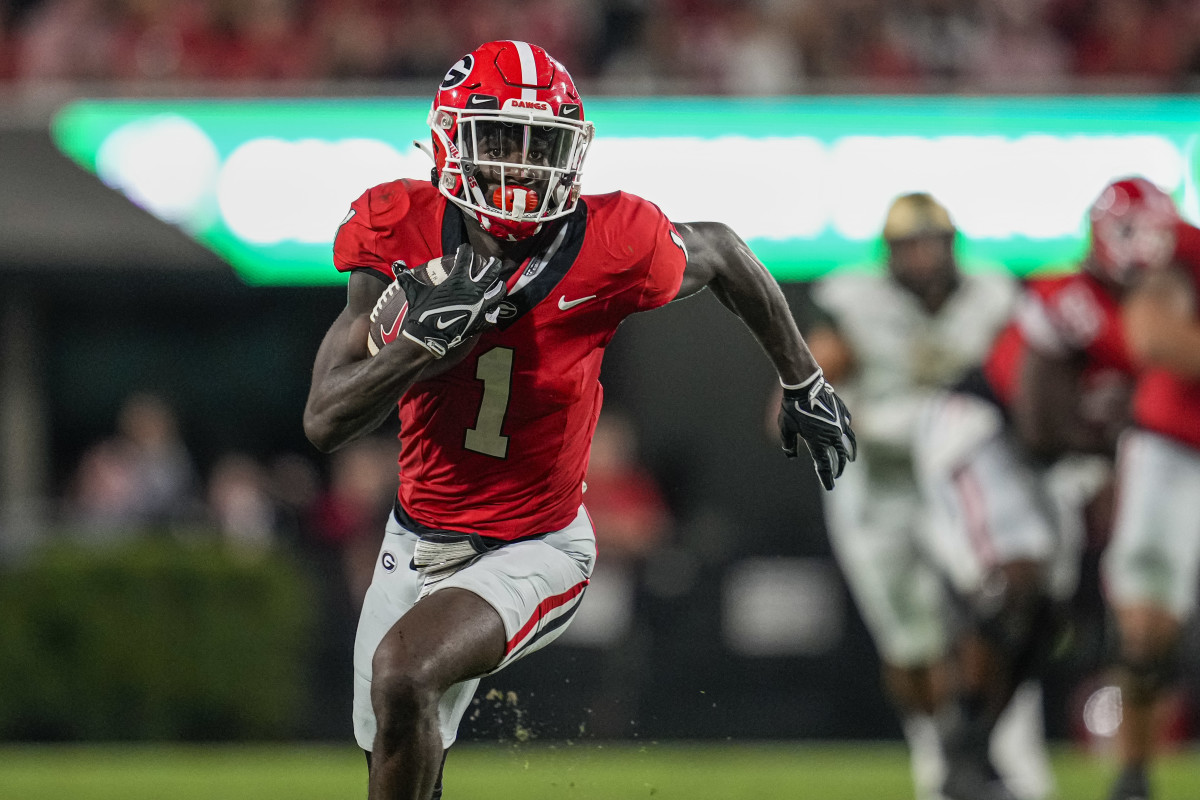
pixel 494 368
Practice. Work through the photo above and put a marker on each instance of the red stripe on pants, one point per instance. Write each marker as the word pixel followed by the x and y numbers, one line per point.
pixel 974 506
pixel 544 607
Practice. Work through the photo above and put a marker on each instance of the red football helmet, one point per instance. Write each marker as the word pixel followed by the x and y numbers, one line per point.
pixel 1133 228
pixel 509 138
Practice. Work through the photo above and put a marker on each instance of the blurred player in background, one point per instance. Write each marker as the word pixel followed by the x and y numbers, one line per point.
pixel 1152 564
pixel 890 339
pixel 495 364
pixel 1004 462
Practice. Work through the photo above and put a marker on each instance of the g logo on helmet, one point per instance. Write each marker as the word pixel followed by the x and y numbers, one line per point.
pixel 389 561
pixel 459 72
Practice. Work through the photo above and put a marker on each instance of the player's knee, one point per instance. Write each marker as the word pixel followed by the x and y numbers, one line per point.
pixel 1143 681
pixel 1024 579
pixel 1147 634
pixel 912 689
pixel 1145 676
pixel 402 693
pixel 1010 607
pixel 400 702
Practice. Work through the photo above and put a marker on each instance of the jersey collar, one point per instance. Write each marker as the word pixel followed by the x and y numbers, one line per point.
pixel 540 273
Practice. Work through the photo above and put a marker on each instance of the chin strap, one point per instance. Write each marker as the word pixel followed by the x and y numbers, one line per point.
pixel 425 148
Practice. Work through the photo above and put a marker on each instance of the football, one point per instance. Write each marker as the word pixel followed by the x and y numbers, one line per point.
pixel 386 317
pixel 388 314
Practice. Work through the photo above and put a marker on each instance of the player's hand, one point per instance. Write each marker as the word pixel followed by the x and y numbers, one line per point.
pixel 812 411
pixel 459 298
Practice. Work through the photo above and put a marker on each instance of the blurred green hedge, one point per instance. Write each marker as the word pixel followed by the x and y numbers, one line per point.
pixel 159 639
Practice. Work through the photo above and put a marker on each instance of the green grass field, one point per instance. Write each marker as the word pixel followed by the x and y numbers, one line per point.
pixel 581 771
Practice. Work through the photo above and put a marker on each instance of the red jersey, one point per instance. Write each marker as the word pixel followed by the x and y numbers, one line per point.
pixel 498 444
pixel 1063 316
pixel 1164 402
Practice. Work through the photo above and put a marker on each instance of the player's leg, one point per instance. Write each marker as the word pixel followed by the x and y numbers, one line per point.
pixel 515 600
pixel 1011 627
pixel 1011 624
pixel 1018 742
pixel 900 599
pixel 437 786
pixel 1146 668
pixel 393 591
pixel 448 637
pixel 916 692
pixel 1018 745
pixel 990 535
pixel 1150 570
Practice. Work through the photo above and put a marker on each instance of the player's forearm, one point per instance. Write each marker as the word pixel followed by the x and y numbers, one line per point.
pixel 746 288
pixel 354 399
pixel 1161 328
pixel 1167 342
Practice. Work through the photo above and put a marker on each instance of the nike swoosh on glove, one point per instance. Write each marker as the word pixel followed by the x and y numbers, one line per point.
pixel 813 412
pixel 442 316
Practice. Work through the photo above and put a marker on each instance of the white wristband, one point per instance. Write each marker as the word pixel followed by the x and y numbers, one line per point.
pixel 804 384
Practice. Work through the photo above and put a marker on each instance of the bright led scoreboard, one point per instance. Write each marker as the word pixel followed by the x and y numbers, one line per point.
pixel 807 181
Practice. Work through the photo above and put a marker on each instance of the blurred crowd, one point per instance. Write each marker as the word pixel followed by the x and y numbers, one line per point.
pixel 618 46
pixel 143 480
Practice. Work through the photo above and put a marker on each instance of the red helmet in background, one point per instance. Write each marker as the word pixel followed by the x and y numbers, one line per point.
pixel 509 138
pixel 1133 228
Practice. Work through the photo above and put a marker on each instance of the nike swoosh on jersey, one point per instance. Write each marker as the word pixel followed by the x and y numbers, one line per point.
pixel 443 323
pixel 389 336
pixel 565 304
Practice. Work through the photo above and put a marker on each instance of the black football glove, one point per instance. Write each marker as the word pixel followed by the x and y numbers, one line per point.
pixel 813 412
pixel 459 297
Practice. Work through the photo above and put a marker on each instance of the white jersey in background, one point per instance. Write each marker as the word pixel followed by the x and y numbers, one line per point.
pixel 903 355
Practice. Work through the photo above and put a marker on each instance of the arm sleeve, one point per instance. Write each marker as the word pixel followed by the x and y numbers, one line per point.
pixel 356 243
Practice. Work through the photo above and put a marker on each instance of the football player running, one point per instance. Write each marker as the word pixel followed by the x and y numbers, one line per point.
pixel 890 339
pixel 1152 563
pixel 488 552
pixel 1004 463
